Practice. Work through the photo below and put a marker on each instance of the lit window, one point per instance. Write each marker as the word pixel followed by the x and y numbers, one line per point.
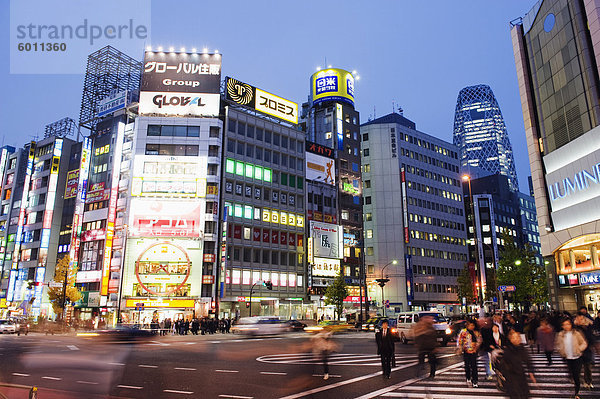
pixel 248 211
pixel 267 175
pixel 292 279
pixel 239 168
pixel 249 170
pixel 247 234
pixel 238 211
pixel 236 276
pixel 246 277
pixel 370 233
pixel 230 166
pixel 258 172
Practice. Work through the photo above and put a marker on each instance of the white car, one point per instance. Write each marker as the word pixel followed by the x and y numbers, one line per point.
pixel 7 327
pixel 260 325
pixel 407 321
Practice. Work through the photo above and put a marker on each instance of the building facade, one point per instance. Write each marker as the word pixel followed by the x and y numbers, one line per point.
pixel 415 233
pixel 481 135
pixel 557 57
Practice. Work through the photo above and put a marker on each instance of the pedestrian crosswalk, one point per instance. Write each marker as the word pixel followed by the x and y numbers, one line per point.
pixel 449 383
pixel 339 359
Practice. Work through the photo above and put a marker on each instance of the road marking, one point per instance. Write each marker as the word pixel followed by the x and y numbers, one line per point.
pixel 73 347
pixel 117 364
pixel 21 375
pixel 129 387
pixel 215 342
pixel 330 375
pixel 236 397
pixel 190 343
pixel 237 340
pixel 185 368
pixel 346 382
pixel 148 366
pixel 52 378
pixel 227 371
pixel 87 382
pixel 272 373
pixel 181 392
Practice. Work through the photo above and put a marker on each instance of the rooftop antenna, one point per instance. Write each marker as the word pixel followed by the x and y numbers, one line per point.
pixel 401 111
pixel 374 113
pixel 393 107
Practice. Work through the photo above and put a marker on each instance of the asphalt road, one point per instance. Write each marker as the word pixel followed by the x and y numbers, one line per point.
pixel 215 366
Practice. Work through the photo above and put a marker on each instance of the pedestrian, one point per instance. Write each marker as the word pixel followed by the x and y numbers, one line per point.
pixel 545 339
pixel 203 325
pixel 385 348
pixel 584 312
pixel 195 326
pixel 468 343
pixel 570 343
pixel 323 346
pixel 514 365
pixel 584 324
pixel 426 343
pixel 492 340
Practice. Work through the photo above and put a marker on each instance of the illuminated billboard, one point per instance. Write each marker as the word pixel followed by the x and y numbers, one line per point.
pixel 320 168
pixel 180 84
pixel 332 84
pixel 262 101
pixel 327 240
pixel 174 176
pixel 164 218
pixel 573 181
pixel 325 267
pixel 72 183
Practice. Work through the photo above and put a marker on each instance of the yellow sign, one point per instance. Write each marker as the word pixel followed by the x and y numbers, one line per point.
pixel 161 303
pixel 274 216
pixel 276 106
pixel 266 215
pixel 299 221
pixel 332 84
pixel 2 302
pixel 283 218
pixel 291 219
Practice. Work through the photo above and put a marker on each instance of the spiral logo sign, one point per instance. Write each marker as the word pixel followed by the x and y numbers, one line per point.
pixel 239 92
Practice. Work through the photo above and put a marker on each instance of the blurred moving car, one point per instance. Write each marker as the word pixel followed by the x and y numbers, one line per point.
pixel 370 324
pixel 407 320
pixel 260 325
pixel 21 325
pixel 295 325
pixel 122 332
pixel 7 327
pixel 331 325
pixel 392 325
pixel 456 326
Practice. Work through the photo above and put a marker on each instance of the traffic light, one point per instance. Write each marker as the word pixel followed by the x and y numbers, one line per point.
pixel 268 284
pixel 247 304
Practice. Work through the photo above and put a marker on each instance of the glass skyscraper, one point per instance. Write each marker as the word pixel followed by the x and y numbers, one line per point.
pixel 480 134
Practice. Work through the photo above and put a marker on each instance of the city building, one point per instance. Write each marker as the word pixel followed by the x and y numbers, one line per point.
pixel 557 56
pixel 414 221
pixel 334 190
pixel 499 213
pixel 481 135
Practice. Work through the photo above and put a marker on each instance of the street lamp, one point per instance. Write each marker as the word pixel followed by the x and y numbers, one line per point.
pixel 382 281
pixel 467 179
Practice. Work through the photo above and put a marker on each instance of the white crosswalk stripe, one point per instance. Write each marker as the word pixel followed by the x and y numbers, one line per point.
pixel 340 359
pixel 552 382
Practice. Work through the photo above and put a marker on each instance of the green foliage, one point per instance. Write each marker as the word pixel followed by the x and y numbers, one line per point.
pixel 55 294
pixel 336 293
pixel 527 276
pixel 465 285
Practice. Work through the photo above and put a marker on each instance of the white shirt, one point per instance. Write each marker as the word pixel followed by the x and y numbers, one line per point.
pixel 496 337
pixel 569 345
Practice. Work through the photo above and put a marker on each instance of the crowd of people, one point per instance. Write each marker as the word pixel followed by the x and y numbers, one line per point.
pixel 502 340
pixel 181 326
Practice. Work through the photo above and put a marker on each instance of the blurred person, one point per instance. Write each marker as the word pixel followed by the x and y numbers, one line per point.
pixel 426 343
pixel 492 340
pixel 186 326
pixel 514 358
pixel 584 312
pixel 195 326
pixel 385 348
pixel 323 346
pixel 203 325
pixel 571 343
pixel 530 329
pixel 584 324
pixel 545 339
pixel 228 326
pixel 468 343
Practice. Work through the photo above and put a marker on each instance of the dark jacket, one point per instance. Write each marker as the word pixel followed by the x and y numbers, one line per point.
pixel 515 363
pixel 385 345
pixel 489 343
pixel 425 337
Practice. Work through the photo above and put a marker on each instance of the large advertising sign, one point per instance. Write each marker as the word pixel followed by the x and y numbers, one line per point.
pixel 573 181
pixel 332 84
pixel 262 101
pixel 112 103
pixel 169 176
pixel 328 240
pixel 72 184
pixel 163 218
pixel 324 267
pixel 180 84
pixel 320 168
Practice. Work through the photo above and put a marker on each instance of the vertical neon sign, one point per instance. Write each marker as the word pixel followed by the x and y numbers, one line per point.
pixel 21 222
pixel 112 208
pixel 84 169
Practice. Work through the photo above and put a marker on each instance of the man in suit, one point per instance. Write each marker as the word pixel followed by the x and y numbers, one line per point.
pixel 385 348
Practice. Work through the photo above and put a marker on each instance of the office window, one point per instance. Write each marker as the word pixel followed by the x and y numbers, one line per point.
pixel 366 152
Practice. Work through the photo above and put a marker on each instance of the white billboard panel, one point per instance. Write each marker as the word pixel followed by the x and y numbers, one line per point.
pixel 320 168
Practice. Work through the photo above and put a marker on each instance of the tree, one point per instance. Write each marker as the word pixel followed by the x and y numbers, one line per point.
pixel 336 293
pixel 518 267
pixel 55 294
pixel 465 285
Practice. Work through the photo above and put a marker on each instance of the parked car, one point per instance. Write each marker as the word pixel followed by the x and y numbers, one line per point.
pixel 407 320
pixel 260 325
pixel 295 325
pixel 7 327
pixel 392 325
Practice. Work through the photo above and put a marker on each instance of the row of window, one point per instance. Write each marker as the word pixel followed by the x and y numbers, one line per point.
pixel 263 154
pixel 173 131
pixel 436 271
pixel 413 217
pixel 424 188
pixel 275 196
pixel 267 136
pixel 434 253
pixel 436 288
pixel 172 149
pixel 443 239
pixel 264 256
pixel 249 277
pixel 432 175
pixel 434 206
pixel 266 215
pixel 260 173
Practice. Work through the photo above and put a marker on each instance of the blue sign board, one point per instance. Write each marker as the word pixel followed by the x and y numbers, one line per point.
pixel 589 278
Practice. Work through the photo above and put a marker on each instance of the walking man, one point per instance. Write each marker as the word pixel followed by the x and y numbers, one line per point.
pixel 426 343
pixel 385 348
